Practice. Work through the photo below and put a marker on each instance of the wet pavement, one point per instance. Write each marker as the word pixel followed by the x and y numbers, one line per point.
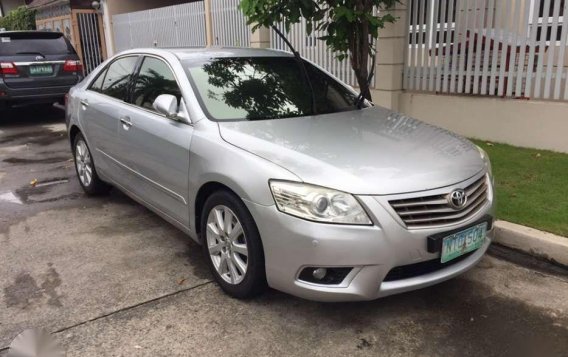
pixel 110 278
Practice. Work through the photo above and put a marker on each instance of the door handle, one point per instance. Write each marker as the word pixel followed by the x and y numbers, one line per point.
pixel 84 103
pixel 126 123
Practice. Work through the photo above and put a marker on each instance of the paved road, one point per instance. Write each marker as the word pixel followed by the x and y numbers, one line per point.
pixel 112 279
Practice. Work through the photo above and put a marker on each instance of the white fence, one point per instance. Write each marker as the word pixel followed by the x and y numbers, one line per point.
pixel 315 50
pixel 506 48
pixel 172 26
pixel 229 24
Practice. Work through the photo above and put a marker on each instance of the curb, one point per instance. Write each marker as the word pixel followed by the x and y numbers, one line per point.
pixel 539 244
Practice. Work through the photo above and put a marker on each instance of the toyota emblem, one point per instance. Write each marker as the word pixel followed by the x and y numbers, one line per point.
pixel 457 199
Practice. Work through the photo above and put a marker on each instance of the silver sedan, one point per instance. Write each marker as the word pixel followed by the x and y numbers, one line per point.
pixel 282 174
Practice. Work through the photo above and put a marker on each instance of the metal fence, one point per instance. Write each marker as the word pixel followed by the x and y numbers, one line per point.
pixel 172 26
pixel 229 24
pixel 315 50
pixel 506 48
pixel 91 40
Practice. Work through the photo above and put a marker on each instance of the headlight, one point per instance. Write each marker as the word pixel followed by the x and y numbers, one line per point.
pixel 485 158
pixel 319 204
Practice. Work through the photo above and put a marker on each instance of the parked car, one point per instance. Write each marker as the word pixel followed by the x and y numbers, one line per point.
pixel 282 185
pixel 36 67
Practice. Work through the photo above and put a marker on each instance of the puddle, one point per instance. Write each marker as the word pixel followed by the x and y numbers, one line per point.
pixel 59 127
pixel 49 160
pixel 50 183
pixel 42 138
pixel 10 197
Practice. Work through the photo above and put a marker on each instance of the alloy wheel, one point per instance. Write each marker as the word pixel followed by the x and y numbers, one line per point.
pixel 227 245
pixel 84 163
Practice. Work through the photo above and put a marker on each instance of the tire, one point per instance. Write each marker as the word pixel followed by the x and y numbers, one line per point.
pixel 85 168
pixel 230 244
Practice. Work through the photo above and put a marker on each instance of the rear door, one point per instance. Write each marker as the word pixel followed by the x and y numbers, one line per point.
pixel 155 148
pixel 41 59
pixel 102 106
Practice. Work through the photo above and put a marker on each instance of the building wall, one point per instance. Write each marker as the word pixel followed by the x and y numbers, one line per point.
pixel 9 5
pixel 528 123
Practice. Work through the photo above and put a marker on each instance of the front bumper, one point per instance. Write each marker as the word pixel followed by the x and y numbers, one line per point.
pixel 291 244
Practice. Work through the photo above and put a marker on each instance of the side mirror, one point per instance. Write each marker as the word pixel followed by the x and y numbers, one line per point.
pixel 166 104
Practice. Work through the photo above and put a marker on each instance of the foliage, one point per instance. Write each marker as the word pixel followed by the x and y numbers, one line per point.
pixel 530 186
pixel 19 19
pixel 350 27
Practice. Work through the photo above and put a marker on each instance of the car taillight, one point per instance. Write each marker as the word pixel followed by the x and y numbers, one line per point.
pixel 8 68
pixel 72 66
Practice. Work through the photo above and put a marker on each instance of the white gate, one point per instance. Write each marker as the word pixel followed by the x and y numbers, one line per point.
pixel 229 24
pixel 171 26
pixel 506 48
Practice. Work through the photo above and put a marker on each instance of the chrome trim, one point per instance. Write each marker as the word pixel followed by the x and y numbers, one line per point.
pixel 432 210
pixel 164 189
pixel 38 63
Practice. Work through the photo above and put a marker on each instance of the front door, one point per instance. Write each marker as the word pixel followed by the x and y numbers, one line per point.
pixel 154 147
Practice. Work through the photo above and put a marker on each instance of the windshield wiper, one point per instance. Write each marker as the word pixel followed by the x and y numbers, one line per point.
pixel 302 66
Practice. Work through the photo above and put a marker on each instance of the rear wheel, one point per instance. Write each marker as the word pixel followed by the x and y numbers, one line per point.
pixel 232 246
pixel 85 168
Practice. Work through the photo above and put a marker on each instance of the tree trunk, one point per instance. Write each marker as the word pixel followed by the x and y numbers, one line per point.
pixel 359 50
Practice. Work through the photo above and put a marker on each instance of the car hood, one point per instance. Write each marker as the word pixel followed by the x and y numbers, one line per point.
pixel 372 151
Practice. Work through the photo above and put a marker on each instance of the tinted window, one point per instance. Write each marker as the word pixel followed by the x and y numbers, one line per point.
pixel 265 88
pixel 155 78
pixel 34 43
pixel 97 84
pixel 118 77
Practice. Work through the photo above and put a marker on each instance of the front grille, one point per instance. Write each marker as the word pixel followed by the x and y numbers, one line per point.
pixel 422 268
pixel 432 211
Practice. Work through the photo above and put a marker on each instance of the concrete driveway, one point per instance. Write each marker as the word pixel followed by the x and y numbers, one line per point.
pixel 110 278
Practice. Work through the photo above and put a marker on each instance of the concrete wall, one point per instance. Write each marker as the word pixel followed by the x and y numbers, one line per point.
pixel 528 123
pixel 9 5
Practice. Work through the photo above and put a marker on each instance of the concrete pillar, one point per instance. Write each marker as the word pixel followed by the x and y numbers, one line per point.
pixel 391 50
pixel 208 24
pixel 260 38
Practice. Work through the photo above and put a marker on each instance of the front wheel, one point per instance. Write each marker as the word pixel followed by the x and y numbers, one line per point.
pixel 85 168
pixel 232 246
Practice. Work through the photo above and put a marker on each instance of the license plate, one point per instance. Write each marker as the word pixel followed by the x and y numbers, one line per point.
pixel 41 70
pixel 463 242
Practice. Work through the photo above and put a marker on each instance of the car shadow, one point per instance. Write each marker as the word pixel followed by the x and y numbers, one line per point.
pixel 31 115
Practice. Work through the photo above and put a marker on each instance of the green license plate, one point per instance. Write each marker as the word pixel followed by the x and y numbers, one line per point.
pixel 463 242
pixel 41 70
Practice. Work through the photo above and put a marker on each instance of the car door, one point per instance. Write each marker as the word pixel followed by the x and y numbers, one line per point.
pixel 156 148
pixel 102 106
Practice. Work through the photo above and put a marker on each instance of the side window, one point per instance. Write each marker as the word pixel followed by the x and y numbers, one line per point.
pixel 155 78
pixel 118 76
pixel 97 84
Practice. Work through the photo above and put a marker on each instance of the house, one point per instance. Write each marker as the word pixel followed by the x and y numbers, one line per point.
pixel 491 69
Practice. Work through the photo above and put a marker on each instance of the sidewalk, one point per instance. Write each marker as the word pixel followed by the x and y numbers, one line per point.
pixel 540 244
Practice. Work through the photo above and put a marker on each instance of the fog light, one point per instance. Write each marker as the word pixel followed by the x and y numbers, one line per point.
pixel 319 273
pixel 324 276
pixel 2 93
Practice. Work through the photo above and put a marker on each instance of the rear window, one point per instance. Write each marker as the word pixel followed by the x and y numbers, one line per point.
pixel 23 43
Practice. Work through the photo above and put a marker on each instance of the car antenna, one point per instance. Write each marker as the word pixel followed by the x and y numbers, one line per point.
pixel 301 64
pixel 361 96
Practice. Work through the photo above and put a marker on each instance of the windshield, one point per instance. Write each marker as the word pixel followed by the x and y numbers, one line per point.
pixel 254 88
pixel 18 43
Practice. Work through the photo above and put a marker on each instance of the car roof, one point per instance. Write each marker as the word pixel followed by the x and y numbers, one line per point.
pixel 2 33
pixel 188 53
